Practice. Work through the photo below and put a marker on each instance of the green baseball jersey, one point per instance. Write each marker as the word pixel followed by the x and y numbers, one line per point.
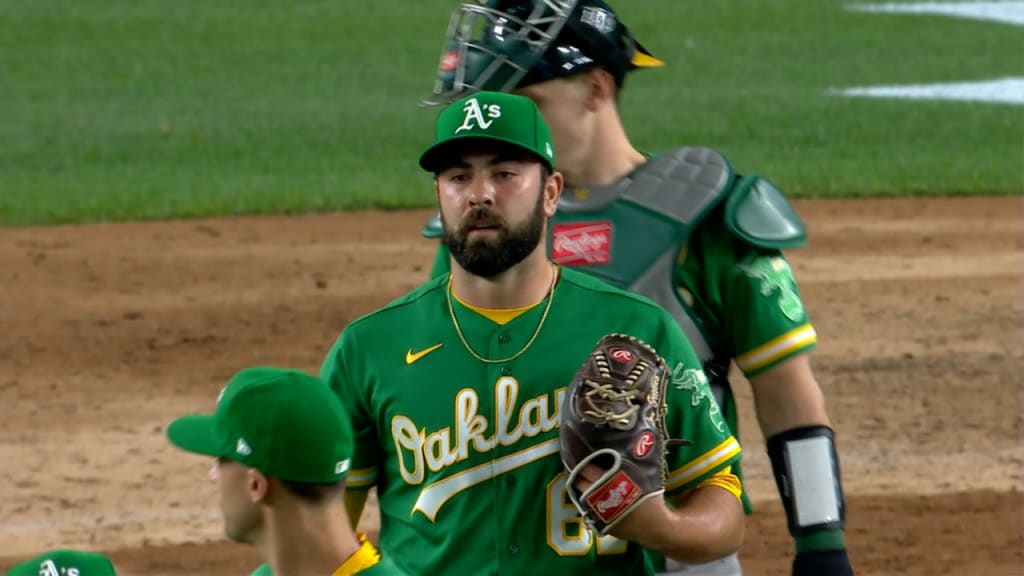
pixel 384 567
pixel 464 453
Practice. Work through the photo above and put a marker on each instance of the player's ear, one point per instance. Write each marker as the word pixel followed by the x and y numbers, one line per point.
pixel 600 88
pixel 257 485
pixel 214 473
pixel 553 185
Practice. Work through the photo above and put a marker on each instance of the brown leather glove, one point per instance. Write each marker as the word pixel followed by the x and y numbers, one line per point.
pixel 613 417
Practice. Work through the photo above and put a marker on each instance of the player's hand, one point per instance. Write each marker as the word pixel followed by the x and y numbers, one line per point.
pixel 641 525
pixel 816 562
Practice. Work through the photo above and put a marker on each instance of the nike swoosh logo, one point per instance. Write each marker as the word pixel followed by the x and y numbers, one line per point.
pixel 411 356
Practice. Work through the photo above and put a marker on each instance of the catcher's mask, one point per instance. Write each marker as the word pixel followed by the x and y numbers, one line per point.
pixel 502 45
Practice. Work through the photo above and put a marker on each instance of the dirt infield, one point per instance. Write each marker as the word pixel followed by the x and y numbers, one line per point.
pixel 110 331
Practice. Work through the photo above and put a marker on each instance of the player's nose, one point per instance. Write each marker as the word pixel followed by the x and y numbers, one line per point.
pixel 481 192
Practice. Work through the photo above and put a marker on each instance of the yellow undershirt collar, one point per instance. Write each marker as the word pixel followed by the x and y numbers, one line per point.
pixel 500 316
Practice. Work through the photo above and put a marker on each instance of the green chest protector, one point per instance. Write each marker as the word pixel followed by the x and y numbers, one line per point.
pixel 630 233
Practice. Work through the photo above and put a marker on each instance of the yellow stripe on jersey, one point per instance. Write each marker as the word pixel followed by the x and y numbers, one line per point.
pixel 362 478
pixel 700 466
pixel 780 347
pixel 726 480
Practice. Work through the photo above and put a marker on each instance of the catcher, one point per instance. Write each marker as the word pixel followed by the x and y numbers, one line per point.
pixel 454 390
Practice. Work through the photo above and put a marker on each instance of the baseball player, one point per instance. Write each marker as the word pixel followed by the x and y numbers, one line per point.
pixel 282 446
pixel 454 389
pixel 683 228
pixel 65 562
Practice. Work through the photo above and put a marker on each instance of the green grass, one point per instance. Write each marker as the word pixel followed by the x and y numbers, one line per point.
pixel 761 95
pixel 138 109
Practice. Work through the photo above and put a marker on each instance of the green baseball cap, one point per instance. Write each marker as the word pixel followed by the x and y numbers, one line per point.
pixel 282 422
pixel 496 116
pixel 65 563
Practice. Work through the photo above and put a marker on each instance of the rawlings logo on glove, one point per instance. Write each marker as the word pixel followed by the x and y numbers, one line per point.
pixel 613 417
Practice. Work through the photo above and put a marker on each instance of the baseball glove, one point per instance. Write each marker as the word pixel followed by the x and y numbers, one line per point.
pixel 613 417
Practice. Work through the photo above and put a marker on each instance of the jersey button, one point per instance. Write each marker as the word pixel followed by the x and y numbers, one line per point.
pixel 504 339
pixel 505 370
pixel 511 480
pixel 513 549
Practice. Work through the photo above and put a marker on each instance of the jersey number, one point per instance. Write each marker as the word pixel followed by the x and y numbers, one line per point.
pixel 567 533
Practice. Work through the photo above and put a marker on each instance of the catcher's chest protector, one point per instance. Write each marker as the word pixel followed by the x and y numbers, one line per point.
pixel 629 234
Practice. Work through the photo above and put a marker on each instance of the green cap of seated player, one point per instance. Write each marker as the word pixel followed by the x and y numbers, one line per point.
pixel 497 116
pixel 284 423
pixel 65 563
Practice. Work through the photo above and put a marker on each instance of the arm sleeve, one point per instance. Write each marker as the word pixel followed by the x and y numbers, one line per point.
pixel 767 320
pixel 354 396
pixel 692 415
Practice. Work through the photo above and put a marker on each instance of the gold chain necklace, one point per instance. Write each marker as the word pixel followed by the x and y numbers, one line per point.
pixel 544 316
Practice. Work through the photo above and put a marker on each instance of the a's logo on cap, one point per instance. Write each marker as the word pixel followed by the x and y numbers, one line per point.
pixel 602 20
pixel 49 568
pixel 242 447
pixel 475 115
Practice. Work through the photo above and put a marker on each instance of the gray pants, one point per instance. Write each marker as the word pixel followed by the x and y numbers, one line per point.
pixel 727 566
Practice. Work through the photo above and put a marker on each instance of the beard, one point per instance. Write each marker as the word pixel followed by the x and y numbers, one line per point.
pixel 489 256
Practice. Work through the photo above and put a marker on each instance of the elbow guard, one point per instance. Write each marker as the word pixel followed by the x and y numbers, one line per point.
pixel 806 468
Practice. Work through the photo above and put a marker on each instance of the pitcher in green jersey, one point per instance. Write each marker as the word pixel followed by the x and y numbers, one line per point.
pixel 681 227
pixel 454 389
pixel 282 445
